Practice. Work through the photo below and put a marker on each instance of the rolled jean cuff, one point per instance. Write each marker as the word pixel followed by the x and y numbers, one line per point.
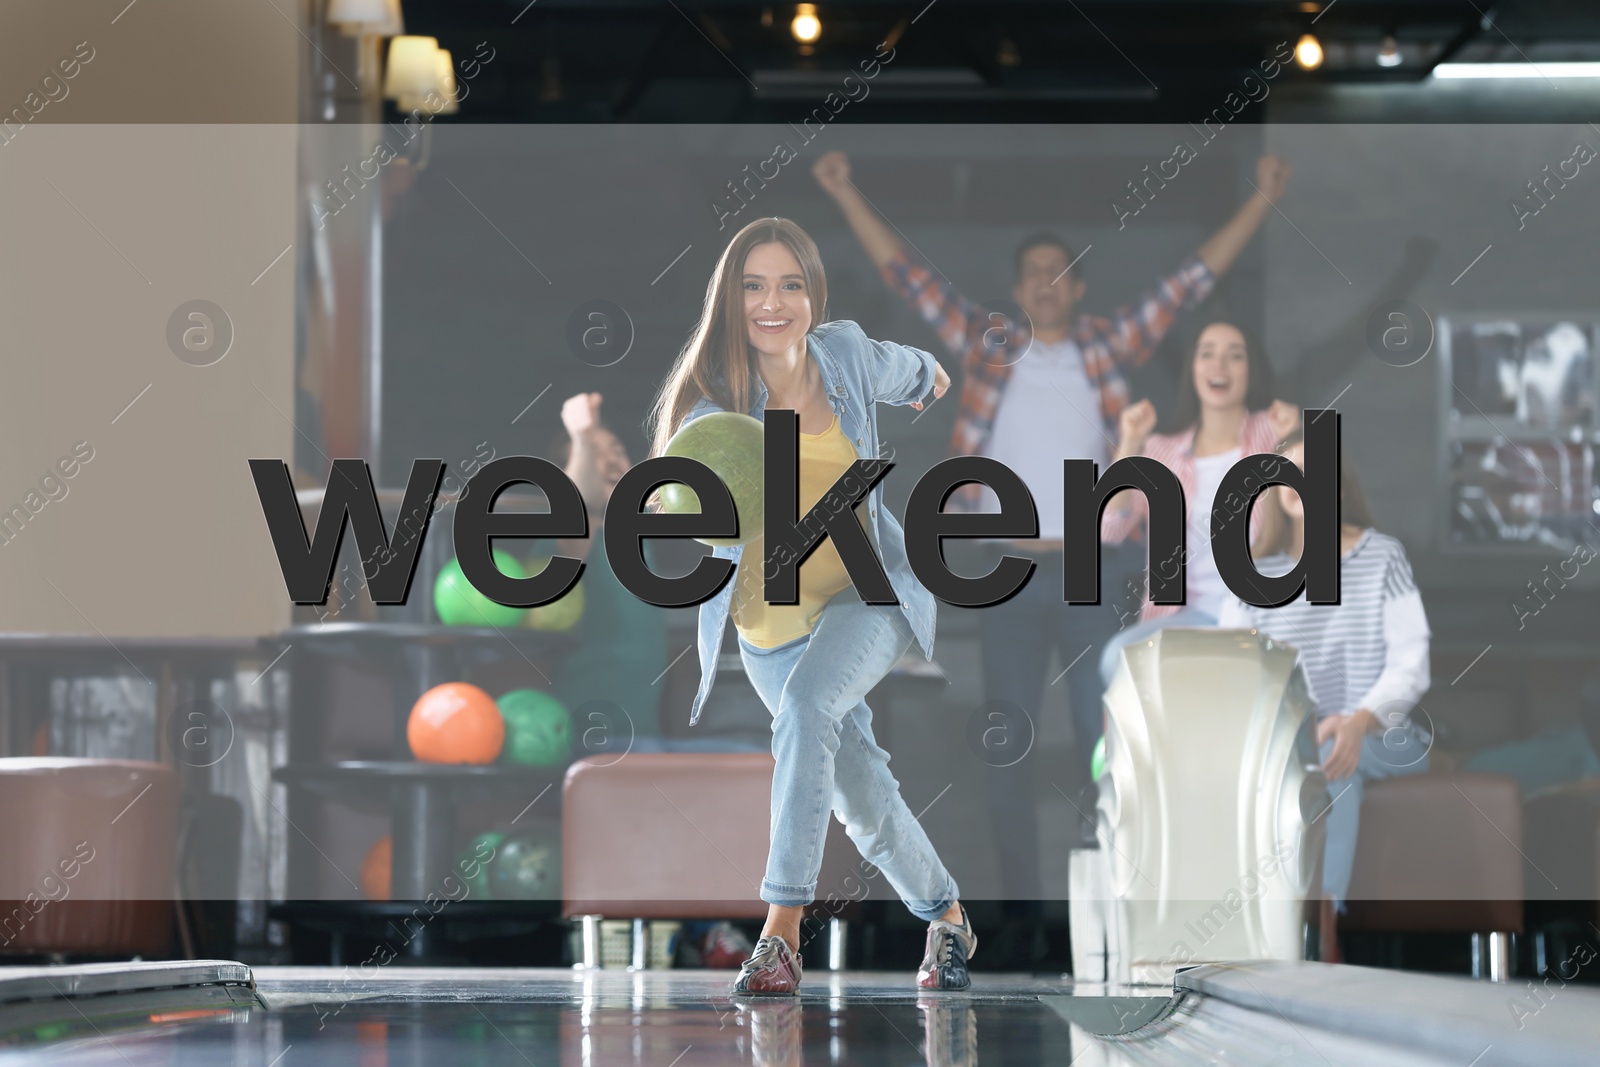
pixel 930 912
pixel 788 896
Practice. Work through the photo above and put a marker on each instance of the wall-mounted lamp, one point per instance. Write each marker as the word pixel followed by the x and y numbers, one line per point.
pixel 413 68
pixel 445 84
pixel 367 18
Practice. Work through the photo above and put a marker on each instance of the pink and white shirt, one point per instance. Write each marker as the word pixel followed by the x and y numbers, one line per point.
pixel 1176 453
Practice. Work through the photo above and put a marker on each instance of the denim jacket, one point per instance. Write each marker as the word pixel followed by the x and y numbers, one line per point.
pixel 857 373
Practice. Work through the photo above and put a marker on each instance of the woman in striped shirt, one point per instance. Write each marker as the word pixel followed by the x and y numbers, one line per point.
pixel 1223 407
pixel 1365 661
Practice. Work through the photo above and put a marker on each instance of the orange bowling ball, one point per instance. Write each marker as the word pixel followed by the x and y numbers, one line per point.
pixel 455 723
pixel 376 869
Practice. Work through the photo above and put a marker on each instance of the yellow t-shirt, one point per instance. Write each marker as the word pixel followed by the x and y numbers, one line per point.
pixel 824 458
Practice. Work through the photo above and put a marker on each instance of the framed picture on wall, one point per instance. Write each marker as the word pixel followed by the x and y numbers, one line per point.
pixel 1518 431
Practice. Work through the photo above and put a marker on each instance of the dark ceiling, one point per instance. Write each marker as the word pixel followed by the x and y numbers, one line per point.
pixel 959 60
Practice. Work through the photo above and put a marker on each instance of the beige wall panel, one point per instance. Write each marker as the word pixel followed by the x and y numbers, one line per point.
pixel 106 231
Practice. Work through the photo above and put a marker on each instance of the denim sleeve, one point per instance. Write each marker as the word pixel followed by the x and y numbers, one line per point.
pixel 702 408
pixel 899 374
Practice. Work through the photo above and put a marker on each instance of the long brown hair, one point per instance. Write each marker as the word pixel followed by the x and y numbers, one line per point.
pixel 1353 507
pixel 1259 391
pixel 717 362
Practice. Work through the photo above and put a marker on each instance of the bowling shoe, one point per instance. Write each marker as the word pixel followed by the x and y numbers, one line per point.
pixel 772 970
pixel 950 945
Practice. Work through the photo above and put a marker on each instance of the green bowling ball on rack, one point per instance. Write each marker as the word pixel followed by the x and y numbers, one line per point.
pixel 526 867
pixel 458 603
pixel 538 729
pixel 500 866
pixel 476 864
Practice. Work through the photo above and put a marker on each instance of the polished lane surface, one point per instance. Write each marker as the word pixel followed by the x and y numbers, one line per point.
pixel 396 1017
pixel 308 1017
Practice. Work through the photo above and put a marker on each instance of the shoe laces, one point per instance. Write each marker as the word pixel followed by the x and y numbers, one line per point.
pixel 768 953
pixel 946 941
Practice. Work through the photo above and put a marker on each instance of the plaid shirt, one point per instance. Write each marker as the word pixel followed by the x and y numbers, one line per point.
pixel 985 344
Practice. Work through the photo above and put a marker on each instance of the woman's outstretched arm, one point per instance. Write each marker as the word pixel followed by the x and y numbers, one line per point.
pixel 901 374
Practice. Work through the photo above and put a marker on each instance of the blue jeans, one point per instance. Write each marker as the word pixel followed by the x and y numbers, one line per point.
pixel 827 759
pixel 1383 755
pixel 1111 656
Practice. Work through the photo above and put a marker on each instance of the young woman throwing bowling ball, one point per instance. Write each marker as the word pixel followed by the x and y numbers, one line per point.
pixel 762 343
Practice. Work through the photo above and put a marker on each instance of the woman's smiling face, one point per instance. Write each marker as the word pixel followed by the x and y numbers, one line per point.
pixel 777 307
pixel 1221 367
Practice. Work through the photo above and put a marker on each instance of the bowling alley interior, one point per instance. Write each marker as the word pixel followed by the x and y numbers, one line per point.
pixel 1159 628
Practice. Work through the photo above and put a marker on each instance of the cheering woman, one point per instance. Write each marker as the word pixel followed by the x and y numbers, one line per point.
pixel 1223 409
pixel 762 343
pixel 1365 661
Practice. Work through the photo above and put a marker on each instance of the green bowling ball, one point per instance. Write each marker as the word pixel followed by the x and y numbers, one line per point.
pixel 526 868
pixel 1097 762
pixel 538 728
pixel 459 604
pixel 731 445
pixel 476 864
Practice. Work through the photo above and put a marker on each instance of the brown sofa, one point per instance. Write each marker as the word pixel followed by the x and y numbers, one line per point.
pixel 1442 853
pixel 1562 869
pixel 684 836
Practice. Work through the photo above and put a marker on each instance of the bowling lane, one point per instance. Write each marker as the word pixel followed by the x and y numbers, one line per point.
pixel 307 1017
pixel 1247 1015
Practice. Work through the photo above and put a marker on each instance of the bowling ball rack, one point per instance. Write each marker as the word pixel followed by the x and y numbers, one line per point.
pixel 422 798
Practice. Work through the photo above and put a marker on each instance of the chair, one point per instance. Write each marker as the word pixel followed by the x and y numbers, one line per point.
pixel 684 836
pixel 1441 853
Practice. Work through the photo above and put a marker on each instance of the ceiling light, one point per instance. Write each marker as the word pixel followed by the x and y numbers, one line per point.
pixel 806 27
pixel 1517 70
pixel 1308 52
pixel 1389 54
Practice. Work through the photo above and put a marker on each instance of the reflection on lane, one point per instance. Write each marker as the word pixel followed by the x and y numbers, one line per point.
pixel 939 1031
